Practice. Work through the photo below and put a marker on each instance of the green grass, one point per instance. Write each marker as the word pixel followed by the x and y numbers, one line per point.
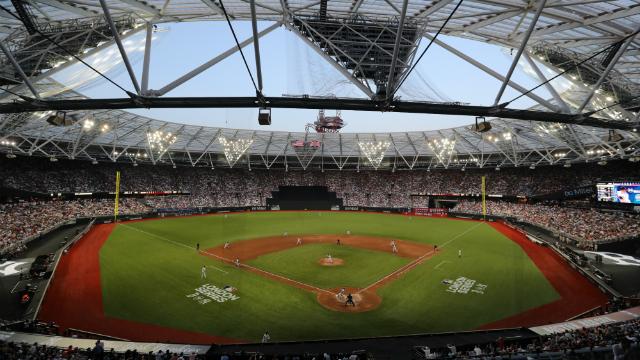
pixel 361 267
pixel 148 269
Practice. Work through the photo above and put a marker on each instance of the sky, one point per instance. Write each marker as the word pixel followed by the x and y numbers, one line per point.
pixel 291 67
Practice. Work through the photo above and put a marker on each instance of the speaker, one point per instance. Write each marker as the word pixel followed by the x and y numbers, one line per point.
pixel 264 116
pixel 614 136
pixel 483 126
pixel 61 119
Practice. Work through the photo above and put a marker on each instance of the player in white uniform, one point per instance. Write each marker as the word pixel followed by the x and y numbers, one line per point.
pixel 237 262
pixel 460 253
pixel 203 272
pixel 329 259
pixel 227 245
pixel 394 248
pixel 299 242
pixel 341 294
pixel 266 337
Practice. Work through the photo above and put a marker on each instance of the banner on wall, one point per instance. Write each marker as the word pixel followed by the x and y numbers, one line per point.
pixel 430 211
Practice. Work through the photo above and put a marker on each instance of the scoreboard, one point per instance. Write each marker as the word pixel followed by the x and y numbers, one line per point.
pixel 619 192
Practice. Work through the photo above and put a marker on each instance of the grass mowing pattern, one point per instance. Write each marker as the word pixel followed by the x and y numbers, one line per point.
pixel 145 278
pixel 362 267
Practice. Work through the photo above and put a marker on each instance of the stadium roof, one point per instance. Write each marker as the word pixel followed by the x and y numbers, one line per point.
pixel 373 43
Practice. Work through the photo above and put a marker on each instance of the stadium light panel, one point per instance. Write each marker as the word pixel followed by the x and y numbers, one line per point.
pixel 234 149
pixel 374 151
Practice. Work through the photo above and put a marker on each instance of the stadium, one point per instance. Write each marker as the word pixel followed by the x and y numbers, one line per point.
pixel 330 179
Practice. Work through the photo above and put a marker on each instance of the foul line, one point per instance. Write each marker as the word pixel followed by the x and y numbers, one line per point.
pixel 15 286
pixel 417 261
pixel 217 268
pixel 257 270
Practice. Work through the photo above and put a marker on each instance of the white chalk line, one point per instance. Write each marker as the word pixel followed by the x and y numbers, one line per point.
pixel 415 262
pixel 441 263
pixel 15 286
pixel 227 260
pixel 217 268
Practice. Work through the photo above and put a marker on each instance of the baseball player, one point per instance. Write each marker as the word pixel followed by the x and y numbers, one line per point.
pixel 338 242
pixel 329 259
pixel 460 253
pixel 286 233
pixel 394 247
pixel 203 272
pixel 340 295
pixel 197 246
pixel 237 262
pixel 349 300
pixel 299 242
pixel 227 245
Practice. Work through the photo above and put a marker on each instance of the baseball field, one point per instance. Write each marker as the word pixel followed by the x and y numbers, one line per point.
pixel 144 280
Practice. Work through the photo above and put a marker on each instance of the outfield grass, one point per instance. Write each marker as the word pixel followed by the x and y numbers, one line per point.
pixel 148 269
pixel 361 267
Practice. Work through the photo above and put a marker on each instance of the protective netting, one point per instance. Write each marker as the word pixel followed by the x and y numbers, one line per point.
pixel 80 78
pixel 309 73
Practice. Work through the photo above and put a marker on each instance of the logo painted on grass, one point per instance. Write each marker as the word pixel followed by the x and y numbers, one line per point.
pixel 463 285
pixel 9 268
pixel 208 292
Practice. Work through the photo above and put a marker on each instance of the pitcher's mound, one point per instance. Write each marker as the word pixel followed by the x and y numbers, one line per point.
pixel 365 300
pixel 333 262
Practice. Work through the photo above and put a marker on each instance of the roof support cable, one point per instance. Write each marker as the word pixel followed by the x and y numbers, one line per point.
pixel 246 65
pixel 425 50
pixel 130 94
pixel 575 65
pixel 626 101
pixel 23 97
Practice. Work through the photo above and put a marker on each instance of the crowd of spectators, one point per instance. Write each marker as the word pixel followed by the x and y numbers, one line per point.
pixel 233 187
pixel 36 351
pixel 620 341
pixel 585 225
pixel 617 341
pixel 26 219
pixel 204 187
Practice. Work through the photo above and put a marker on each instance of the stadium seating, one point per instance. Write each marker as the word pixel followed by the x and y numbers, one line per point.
pixel 585 225
pixel 231 187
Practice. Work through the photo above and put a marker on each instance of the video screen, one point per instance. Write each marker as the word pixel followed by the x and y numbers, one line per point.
pixel 619 192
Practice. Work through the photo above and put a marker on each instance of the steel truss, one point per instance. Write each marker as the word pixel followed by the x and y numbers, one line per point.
pixel 36 54
pixel 306 102
pixel 372 44
pixel 122 136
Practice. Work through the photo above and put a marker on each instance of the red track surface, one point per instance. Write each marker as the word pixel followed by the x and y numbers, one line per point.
pixel 578 294
pixel 74 299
